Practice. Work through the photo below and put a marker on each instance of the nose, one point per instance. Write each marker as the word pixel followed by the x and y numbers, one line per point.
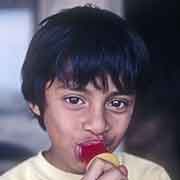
pixel 96 122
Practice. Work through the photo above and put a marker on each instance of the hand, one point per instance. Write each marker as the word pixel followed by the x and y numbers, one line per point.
pixel 103 170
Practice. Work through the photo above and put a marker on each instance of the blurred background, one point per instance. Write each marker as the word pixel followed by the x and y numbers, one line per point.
pixel 154 133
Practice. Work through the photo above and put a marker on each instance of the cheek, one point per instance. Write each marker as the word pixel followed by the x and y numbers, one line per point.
pixel 61 122
pixel 119 124
pixel 59 127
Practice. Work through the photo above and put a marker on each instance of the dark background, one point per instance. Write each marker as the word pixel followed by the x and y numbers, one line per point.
pixel 155 134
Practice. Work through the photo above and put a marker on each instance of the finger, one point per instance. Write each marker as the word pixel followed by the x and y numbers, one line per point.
pixel 123 170
pixel 114 174
pixel 96 169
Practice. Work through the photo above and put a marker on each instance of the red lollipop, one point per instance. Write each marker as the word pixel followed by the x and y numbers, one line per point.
pixel 90 150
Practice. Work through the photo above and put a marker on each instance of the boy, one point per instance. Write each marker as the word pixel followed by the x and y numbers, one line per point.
pixel 81 77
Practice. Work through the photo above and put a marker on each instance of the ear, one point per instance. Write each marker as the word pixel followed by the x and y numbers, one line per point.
pixel 34 109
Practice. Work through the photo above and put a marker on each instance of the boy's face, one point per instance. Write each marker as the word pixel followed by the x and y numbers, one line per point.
pixel 73 117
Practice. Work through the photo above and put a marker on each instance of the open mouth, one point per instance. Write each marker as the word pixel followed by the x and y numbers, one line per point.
pixel 87 150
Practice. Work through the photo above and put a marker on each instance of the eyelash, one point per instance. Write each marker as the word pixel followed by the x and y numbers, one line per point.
pixel 78 100
pixel 123 105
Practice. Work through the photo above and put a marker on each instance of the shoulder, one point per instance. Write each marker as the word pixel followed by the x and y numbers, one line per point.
pixel 143 169
pixel 22 170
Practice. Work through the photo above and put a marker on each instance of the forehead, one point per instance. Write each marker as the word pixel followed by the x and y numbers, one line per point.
pixel 105 87
pixel 90 86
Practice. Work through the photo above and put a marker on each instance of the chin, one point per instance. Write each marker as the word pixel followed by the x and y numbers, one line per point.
pixel 81 172
pixel 79 169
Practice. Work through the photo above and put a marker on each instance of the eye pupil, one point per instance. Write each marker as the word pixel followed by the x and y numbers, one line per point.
pixel 116 103
pixel 74 100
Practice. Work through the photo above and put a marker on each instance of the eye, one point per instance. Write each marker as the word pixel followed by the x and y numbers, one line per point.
pixel 118 105
pixel 74 100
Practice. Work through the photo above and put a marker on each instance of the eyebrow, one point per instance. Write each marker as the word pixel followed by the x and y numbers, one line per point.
pixel 112 93
pixel 120 93
pixel 84 89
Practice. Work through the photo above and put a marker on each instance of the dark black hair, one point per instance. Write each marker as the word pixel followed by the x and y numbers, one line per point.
pixel 78 45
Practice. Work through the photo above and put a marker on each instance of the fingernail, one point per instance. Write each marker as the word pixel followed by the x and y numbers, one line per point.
pixel 123 170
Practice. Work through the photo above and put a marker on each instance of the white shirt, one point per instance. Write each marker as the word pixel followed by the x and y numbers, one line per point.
pixel 38 168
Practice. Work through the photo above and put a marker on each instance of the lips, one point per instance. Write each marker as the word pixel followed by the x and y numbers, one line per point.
pixel 89 149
